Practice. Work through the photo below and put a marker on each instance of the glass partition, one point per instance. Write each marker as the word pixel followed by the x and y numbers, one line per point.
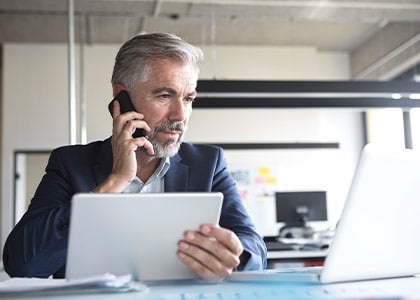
pixel 29 168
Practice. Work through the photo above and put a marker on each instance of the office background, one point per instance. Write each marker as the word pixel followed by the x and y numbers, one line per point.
pixel 256 40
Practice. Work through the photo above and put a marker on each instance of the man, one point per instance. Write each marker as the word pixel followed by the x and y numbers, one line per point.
pixel 159 72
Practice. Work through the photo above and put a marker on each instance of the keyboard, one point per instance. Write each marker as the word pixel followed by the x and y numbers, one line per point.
pixel 319 292
pixel 279 246
pixel 250 295
pixel 389 289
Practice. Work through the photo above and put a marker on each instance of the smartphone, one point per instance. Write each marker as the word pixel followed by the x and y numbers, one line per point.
pixel 125 106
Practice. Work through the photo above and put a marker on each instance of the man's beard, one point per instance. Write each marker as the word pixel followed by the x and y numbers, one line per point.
pixel 171 146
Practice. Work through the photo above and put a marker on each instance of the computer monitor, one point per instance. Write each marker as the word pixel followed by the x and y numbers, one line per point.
pixel 297 208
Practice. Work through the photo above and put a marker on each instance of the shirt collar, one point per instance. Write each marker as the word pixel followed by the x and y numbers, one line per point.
pixel 163 167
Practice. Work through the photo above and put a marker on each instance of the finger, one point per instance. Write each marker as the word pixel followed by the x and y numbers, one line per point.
pixel 146 144
pixel 117 125
pixel 134 124
pixel 116 109
pixel 224 236
pixel 187 254
pixel 126 128
pixel 211 252
pixel 125 146
pixel 122 119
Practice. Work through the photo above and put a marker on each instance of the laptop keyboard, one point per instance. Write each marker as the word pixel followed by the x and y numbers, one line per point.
pixel 386 289
pixel 271 295
pixel 250 295
pixel 268 292
pixel 267 295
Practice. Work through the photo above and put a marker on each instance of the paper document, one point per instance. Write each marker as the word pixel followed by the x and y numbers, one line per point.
pixel 101 283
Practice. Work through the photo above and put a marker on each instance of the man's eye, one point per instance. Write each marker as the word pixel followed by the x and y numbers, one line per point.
pixel 190 99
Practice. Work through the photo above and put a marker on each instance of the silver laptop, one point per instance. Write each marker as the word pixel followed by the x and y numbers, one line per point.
pixel 378 232
pixel 135 233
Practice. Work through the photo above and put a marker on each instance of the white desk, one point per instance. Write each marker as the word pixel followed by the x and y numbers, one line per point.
pixel 298 258
pixel 296 254
pixel 406 288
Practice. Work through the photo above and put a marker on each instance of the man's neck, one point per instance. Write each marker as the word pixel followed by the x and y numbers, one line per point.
pixel 146 165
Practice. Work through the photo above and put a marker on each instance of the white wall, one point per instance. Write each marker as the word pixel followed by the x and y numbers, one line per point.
pixel 35 108
pixel 277 63
pixel 294 170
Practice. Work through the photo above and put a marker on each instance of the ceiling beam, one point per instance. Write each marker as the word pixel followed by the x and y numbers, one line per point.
pixel 395 45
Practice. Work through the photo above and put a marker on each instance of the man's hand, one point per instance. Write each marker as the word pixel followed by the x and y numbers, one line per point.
pixel 124 166
pixel 212 253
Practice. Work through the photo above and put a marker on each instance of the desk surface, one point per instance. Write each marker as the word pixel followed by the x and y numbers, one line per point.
pixel 296 254
pixel 403 288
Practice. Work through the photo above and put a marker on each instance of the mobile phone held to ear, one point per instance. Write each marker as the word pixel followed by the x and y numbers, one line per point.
pixel 125 106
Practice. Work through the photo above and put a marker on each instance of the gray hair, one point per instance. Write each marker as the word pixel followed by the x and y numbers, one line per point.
pixel 132 60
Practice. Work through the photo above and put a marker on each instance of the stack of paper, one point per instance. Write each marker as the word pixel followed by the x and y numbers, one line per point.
pixel 96 284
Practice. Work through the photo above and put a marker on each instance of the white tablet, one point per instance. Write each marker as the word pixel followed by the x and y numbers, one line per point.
pixel 135 233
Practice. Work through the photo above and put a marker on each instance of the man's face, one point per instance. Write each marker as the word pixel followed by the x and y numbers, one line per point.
pixel 165 99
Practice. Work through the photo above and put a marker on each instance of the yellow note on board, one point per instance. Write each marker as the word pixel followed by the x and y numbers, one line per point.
pixel 271 180
pixel 264 172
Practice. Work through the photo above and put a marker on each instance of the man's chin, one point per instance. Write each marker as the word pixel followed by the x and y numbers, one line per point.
pixel 163 151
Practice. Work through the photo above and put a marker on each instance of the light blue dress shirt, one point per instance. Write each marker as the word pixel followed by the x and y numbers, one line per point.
pixel 155 184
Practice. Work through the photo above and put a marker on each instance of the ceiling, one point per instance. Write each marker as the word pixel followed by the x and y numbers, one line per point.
pixel 328 25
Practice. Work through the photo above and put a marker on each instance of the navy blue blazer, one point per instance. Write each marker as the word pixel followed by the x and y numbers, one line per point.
pixel 37 246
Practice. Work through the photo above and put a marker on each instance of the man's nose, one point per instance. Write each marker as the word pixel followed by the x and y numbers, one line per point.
pixel 178 110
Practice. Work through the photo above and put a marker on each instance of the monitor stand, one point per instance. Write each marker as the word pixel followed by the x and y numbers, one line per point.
pixel 300 229
pixel 296 232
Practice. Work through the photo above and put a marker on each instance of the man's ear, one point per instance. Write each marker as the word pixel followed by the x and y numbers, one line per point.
pixel 117 88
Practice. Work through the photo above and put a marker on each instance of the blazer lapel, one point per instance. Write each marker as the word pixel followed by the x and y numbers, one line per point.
pixel 176 178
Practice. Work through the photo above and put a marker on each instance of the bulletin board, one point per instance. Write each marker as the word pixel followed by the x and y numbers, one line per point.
pixel 259 173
